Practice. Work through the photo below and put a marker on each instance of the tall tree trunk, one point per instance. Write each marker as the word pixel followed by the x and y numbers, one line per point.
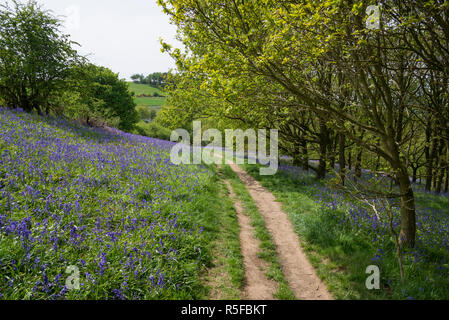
pixel 408 219
pixel 324 143
pixel 430 165
pixel 429 153
pixel 331 152
pixel 24 101
pixel 305 155
pixel 350 160
pixel 358 164
pixel 446 180
pixel 38 109
pixel 321 173
pixel 428 175
pixel 377 163
pixel 415 173
pixel 296 154
pixel 341 158
pixel 440 167
pixel 438 180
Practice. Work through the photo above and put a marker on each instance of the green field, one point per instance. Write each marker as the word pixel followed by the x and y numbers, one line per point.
pixel 139 89
pixel 143 89
pixel 150 102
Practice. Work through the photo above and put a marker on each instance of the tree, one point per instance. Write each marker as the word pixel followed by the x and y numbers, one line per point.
pixel 116 96
pixel 156 79
pixel 145 113
pixel 153 114
pixel 360 84
pixel 138 78
pixel 102 96
pixel 35 58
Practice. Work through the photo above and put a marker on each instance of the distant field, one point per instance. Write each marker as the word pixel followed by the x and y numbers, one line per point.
pixel 150 102
pixel 143 89
pixel 146 89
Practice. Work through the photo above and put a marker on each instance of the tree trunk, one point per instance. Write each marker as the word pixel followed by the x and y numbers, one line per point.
pixel 305 155
pixel 324 143
pixel 321 173
pixel 38 109
pixel 349 160
pixel 377 163
pixel 443 164
pixel 429 175
pixel 25 105
pixel 331 153
pixel 439 181
pixel 296 154
pixel 446 181
pixel 24 101
pixel 341 158
pixel 428 155
pixel 440 167
pixel 408 219
pixel 415 173
pixel 430 163
pixel 358 164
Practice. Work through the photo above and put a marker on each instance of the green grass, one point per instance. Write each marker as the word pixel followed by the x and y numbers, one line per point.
pixel 220 240
pixel 339 258
pixel 139 89
pixel 339 254
pixel 227 270
pixel 267 248
pixel 150 102
pixel 111 204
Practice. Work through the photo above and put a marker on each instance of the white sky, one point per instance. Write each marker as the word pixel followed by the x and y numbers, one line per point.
pixel 122 35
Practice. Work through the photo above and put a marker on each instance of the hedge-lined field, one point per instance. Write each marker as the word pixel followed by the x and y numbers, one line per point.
pixel 140 89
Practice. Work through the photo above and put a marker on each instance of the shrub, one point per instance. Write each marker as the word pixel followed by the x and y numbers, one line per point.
pixel 144 113
pixel 153 130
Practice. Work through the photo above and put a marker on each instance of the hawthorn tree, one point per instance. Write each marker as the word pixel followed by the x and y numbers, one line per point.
pixel 35 58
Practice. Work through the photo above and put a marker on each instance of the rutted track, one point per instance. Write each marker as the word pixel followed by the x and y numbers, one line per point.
pixel 297 269
pixel 257 286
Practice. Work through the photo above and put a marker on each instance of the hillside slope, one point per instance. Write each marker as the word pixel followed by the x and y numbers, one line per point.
pixel 109 203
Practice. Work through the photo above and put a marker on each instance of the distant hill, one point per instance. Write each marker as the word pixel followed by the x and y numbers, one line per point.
pixel 140 89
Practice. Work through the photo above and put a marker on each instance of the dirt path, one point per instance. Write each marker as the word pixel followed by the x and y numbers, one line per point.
pixel 257 286
pixel 297 269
